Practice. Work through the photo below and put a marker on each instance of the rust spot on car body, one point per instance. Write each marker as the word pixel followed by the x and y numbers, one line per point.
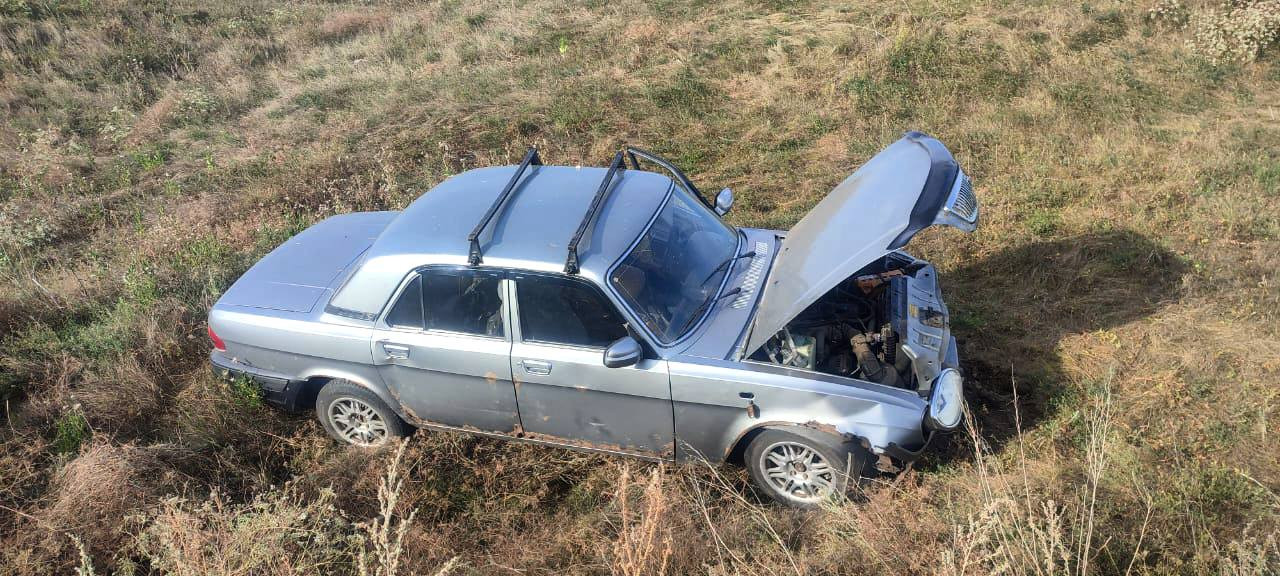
pixel 823 427
pixel 519 433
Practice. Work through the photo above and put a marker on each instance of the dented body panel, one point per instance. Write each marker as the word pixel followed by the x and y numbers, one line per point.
pixel 713 402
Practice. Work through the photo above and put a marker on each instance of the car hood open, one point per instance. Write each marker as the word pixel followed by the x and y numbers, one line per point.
pixel 909 186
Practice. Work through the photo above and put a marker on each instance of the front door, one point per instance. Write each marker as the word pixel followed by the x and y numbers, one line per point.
pixel 444 350
pixel 564 390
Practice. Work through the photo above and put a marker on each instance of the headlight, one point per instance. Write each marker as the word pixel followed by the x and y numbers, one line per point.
pixel 946 401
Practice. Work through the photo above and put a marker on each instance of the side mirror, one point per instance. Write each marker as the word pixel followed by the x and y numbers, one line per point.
pixel 724 201
pixel 624 351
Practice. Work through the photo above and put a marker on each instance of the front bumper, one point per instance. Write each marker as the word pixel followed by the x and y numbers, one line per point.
pixel 906 455
pixel 278 391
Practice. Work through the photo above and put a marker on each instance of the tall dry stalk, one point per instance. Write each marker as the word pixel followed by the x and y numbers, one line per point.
pixel 85 568
pixel 385 533
pixel 1014 532
pixel 643 547
pixel 735 560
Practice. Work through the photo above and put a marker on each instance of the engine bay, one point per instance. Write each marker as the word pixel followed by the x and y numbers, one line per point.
pixel 856 330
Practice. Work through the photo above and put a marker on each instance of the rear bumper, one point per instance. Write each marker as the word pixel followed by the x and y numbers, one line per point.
pixel 276 390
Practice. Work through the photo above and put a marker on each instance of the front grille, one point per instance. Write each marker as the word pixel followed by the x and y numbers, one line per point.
pixel 965 204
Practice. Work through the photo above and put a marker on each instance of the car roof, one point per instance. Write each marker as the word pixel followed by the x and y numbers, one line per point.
pixel 531 232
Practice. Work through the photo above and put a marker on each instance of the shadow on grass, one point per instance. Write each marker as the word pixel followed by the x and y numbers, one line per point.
pixel 1011 310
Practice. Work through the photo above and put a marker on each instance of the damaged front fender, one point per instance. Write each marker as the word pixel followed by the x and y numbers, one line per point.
pixel 719 403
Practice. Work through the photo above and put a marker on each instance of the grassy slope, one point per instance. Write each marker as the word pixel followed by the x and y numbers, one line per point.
pixel 1125 267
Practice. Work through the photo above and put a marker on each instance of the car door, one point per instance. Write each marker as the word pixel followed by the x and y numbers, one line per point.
pixel 564 390
pixel 443 349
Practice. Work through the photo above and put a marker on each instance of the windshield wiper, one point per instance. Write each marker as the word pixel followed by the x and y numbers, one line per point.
pixel 697 314
pixel 727 261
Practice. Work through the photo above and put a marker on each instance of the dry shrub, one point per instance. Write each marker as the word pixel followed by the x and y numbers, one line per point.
pixel 1240 30
pixel 96 497
pixel 124 400
pixel 643 545
pixel 206 411
pixel 876 531
pixel 1252 555
pixel 279 532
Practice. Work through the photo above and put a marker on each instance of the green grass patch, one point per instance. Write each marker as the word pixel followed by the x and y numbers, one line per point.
pixel 70 431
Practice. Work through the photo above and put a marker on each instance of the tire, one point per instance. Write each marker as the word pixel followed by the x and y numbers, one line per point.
pixel 803 468
pixel 354 415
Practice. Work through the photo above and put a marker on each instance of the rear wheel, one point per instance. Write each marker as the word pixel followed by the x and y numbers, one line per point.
pixel 354 415
pixel 802 468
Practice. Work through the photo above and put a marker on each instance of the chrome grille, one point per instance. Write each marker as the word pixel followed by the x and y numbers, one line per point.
pixel 965 204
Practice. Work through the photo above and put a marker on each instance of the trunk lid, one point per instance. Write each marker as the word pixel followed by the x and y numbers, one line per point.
pixel 909 186
pixel 294 276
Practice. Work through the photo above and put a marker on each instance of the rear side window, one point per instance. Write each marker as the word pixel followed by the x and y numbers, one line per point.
pixel 563 311
pixel 407 313
pixel 466 301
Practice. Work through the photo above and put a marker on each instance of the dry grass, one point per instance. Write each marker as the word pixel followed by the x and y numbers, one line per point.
pixel 1124 274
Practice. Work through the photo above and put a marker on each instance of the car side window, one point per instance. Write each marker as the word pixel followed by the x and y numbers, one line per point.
pixel 563 311
pixel 466 301
pixel 407 311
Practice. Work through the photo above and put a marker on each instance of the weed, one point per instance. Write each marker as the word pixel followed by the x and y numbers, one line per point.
pixel 70 431
pixel 386 533
pixel 246 391
pixel 1043 221
pixel 644 543
pixel 86 563
pixel 195 107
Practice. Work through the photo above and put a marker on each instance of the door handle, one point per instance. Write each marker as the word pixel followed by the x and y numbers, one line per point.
pixel 541 367
pixel 395 351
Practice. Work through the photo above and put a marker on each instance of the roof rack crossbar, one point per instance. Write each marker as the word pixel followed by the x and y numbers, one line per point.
pixel 571 263
pixel 474 255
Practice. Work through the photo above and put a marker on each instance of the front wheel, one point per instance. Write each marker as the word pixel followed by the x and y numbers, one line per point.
pixel 354 415
pixel 802 469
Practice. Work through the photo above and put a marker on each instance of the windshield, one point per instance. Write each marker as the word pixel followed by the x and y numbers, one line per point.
pixel 676 268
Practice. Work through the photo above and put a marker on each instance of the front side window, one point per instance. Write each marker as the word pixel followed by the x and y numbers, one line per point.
pixel 564 311
pixel 465 301
pixel 676 268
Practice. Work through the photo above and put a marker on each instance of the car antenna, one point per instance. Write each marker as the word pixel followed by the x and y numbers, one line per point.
pixel 474 256
pixel 571 263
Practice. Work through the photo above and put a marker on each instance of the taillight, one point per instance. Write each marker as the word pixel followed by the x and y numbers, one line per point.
pixel 217 342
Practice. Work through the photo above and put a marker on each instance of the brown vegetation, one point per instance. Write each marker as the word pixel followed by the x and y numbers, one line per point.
pixel 1127 157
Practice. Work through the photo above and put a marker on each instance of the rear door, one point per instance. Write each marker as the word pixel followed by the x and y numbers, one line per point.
pixel 444 349
pixel 565 391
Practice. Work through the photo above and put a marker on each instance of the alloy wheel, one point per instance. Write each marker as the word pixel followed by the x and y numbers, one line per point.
pixel 798 472
pixel 357 422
